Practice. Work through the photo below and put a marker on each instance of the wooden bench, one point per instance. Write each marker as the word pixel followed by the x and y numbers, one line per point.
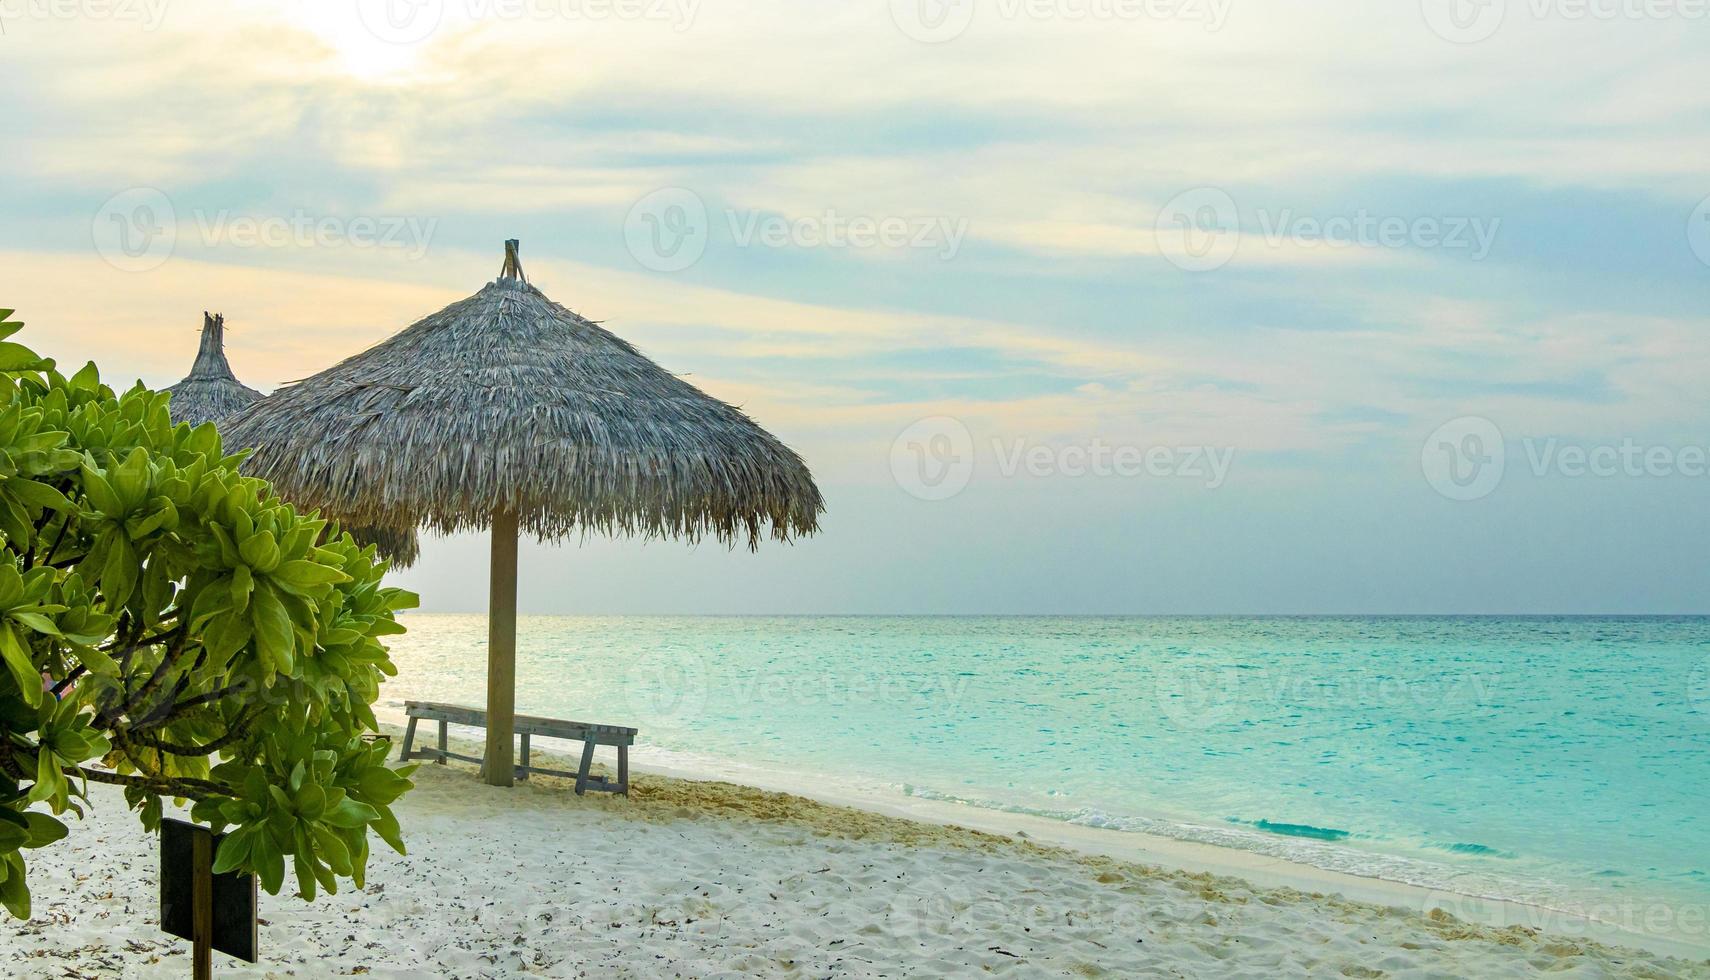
pixel 526 726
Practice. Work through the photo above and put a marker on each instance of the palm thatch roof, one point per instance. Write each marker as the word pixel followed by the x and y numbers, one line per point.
pixel 508 402
pixel 210 392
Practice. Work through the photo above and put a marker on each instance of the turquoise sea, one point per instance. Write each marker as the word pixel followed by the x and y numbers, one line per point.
pixel 1559 761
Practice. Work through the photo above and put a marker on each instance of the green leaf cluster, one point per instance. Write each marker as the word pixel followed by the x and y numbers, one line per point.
pixel 170 625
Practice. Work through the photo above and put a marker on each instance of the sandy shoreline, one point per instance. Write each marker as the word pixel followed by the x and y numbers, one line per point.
pixel 705 879
pixel 1663 937
pixel 1617 926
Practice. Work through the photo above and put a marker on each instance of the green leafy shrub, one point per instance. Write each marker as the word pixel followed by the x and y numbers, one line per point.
pixel 170 626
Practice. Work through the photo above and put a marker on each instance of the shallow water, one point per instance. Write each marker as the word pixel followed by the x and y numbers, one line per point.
pixel 1558 761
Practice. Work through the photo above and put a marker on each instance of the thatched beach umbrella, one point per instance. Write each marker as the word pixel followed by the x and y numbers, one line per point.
pixel 509 412
pixel 210 392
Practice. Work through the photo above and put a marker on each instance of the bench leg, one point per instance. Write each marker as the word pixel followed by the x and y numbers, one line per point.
pixel 522 770
pixel 582 773
pixel 409 739
pixel 442 746
pixel 623 769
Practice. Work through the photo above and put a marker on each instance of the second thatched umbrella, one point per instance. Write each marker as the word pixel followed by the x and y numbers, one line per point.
pixel 211 391
pixel 510 412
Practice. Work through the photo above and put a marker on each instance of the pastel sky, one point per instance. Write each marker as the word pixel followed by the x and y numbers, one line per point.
pixel 1073 306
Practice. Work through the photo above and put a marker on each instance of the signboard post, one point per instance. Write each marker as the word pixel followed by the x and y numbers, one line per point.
pixel 202 907
pixel 212 911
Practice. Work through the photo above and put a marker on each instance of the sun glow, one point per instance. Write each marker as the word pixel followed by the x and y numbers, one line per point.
pixel 373 39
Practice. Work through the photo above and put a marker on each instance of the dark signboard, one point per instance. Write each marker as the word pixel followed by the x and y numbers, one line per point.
pixel 231 895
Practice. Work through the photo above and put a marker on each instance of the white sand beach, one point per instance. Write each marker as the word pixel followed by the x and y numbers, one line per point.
pixel 709 879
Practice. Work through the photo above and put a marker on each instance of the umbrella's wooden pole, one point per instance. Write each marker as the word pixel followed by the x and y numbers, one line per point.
pixel 500 768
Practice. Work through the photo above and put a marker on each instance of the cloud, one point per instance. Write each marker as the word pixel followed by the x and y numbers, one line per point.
pixel 1057 140
pixel 1288 91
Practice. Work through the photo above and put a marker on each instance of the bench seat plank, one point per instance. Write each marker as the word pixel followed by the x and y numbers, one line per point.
pixel 526 726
